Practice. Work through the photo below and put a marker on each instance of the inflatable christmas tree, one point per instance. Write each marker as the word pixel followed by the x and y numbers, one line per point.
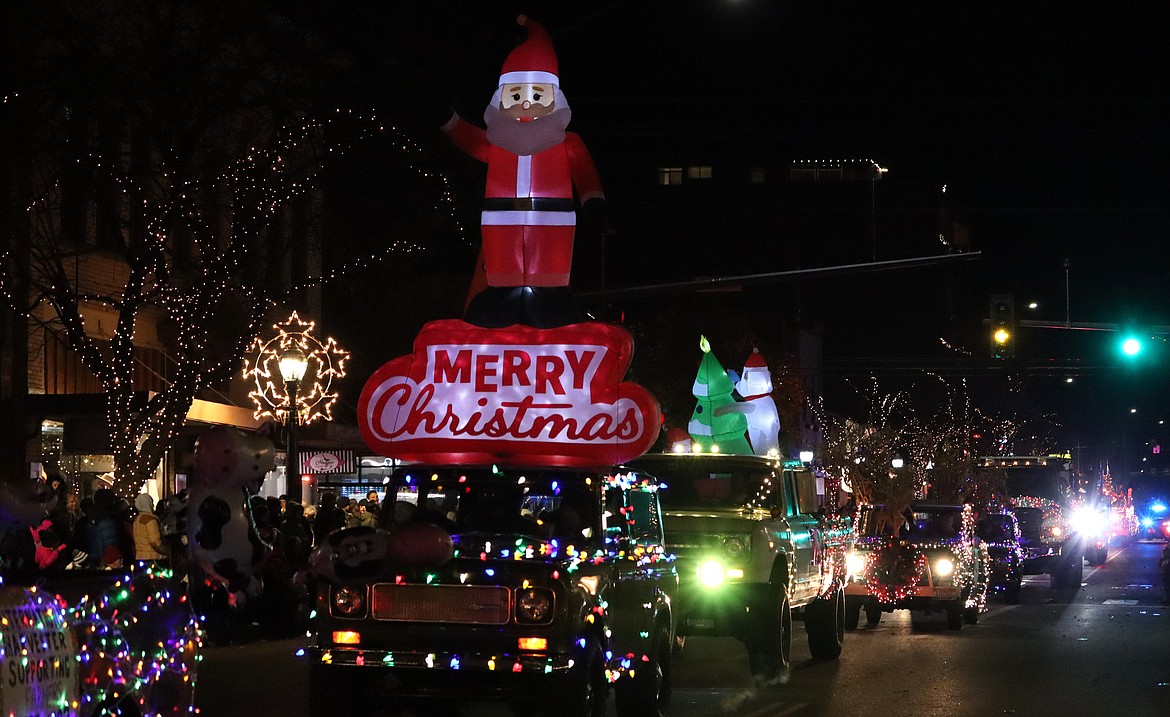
pixel 718 423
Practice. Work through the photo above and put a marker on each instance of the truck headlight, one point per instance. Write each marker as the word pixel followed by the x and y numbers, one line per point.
pixel 349 601
pixel 711 573
pixel 943 567
pixel 1087 521
pixel 735 547
pixel 855 564
pixel 534 606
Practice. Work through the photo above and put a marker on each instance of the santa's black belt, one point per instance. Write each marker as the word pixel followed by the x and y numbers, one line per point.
pixel 527 204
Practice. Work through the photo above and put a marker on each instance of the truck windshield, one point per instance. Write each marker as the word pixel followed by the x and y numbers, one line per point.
pixel 916 523
pixel 697 485
pixel 561 505
pixel 1036 481
pixel 934 523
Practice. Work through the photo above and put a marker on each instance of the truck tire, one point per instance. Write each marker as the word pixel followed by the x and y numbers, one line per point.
pixel 587 689
pixel 955 615
pixel 1069 575
pixel 1011 592
pixel 824 621
pixel 971 615
pixel 770 652
pixel 336 690
pixel 853 611
pixel 873 615
pixel 647 693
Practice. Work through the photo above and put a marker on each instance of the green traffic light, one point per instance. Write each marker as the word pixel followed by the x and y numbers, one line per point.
pixel 1131 346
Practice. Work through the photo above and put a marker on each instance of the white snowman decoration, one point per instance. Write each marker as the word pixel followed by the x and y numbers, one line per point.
pixel 755 386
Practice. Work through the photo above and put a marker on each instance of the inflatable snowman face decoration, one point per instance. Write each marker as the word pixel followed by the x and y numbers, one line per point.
pixel 229 468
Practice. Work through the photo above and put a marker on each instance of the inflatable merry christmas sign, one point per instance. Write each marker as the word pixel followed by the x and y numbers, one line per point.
pixel 518 395
pixel 521 396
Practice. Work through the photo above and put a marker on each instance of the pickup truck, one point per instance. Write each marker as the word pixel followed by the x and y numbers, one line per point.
pixel 554 584
pixel 753 551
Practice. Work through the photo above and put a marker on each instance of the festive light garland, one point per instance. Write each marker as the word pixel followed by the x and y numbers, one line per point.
pixel 137 645
pixel 139 641
pixel 894 569
pixel 326 362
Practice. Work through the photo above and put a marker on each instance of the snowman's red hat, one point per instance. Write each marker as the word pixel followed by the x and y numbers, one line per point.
pixel 532 61
pixel 756 360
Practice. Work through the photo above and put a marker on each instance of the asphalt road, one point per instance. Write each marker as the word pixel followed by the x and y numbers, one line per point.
pixel 1100 650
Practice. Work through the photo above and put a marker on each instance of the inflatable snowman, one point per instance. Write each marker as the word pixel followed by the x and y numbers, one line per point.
pixel 755 386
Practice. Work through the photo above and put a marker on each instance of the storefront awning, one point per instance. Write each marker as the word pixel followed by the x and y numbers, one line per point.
pixel 222 414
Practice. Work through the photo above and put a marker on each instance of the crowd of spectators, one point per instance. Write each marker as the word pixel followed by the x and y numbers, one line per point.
pixel 104 532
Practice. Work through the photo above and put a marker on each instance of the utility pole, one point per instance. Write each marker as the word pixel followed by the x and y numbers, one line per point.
pixel 1067 309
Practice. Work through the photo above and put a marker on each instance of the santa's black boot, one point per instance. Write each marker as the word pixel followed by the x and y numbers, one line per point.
pixel 541 307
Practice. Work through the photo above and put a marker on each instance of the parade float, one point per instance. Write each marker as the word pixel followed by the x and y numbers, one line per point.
pixel 514 557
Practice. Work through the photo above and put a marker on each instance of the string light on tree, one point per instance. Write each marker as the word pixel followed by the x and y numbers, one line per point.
pixel 164 211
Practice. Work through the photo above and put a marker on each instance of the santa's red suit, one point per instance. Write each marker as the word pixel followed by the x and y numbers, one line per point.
pixel 529 215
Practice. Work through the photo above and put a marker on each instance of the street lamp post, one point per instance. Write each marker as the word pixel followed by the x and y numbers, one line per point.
pixel 292 369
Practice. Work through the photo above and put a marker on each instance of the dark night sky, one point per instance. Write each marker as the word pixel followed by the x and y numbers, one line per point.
pixel 1048 123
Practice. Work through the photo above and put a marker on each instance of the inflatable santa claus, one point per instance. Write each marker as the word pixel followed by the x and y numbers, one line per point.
pixel 537 172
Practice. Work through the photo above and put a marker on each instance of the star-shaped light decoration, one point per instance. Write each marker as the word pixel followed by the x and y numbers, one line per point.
pixel 326 363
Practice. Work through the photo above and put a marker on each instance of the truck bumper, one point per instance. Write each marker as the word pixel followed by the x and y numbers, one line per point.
pixel 723 611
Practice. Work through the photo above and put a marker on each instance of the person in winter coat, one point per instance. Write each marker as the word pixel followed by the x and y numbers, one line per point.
pixel 329 518
pixel 148 540
pixel 68 522
pixel 49 547
pixel 102 526
pixel 362 517
pixel 297 532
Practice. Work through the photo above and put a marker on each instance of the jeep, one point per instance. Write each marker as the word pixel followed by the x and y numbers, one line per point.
pixel 926 558
pixel 556 584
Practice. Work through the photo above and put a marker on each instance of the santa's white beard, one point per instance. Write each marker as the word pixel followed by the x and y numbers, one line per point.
pixel 526 138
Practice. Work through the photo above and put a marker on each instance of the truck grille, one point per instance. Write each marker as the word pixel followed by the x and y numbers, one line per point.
pixel 465 604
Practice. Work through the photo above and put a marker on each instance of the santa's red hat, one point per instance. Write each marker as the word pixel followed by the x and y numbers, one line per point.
pixel 756 360
pixel 533 61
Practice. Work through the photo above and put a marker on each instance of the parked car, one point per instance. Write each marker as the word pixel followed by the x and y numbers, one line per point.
pixel 753 551
pixel 932 551
pixel 1000 532
pixel 559 584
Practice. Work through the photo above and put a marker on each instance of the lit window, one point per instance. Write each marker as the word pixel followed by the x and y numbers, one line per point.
pixel 699 172
pixel 669 176
pixel 758 175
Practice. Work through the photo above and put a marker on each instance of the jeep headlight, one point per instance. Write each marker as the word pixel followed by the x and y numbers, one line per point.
pixel 855 564
pixel 534 606
pixel 735 547
pixel 349 601
pixel 943 567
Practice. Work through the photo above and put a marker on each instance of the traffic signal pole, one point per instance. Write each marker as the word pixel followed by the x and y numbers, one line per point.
pixel 1091 326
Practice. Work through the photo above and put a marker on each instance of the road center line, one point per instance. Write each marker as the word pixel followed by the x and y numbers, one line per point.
pixel 766 711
